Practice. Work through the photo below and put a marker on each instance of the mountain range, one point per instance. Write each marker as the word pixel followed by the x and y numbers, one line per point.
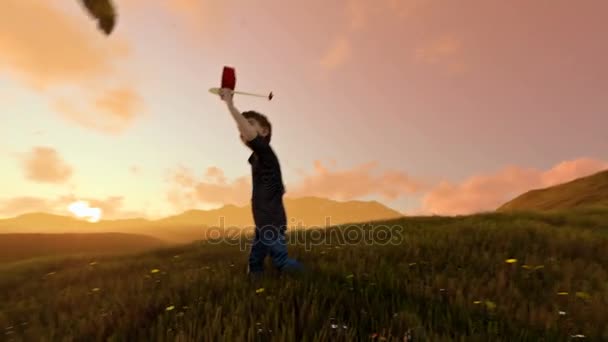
pixel 304 212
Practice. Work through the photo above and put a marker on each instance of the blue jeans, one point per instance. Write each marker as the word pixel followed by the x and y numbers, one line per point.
pixel 270 241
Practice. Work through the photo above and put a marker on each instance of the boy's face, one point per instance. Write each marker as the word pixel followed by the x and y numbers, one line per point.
pixel 263 131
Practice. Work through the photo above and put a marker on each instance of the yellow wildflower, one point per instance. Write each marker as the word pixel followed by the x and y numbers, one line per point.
pixel 490 305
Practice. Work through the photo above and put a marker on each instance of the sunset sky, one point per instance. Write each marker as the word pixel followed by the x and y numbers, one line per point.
pixel 427 106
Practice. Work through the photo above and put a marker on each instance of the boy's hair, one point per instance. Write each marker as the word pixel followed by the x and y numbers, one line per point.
pixel 261 119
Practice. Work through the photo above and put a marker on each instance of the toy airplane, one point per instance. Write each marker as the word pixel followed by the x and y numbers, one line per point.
pixel 229 81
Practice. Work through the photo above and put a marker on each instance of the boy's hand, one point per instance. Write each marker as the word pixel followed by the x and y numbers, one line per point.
pixel 226 96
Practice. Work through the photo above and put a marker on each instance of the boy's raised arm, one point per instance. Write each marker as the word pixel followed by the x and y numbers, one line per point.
pixel 247 131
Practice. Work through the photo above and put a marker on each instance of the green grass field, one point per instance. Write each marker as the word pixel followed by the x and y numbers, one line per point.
pixel 443 279
pixel 14 247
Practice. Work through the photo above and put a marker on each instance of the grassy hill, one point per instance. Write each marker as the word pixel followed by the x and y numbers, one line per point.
pixel 590 191
pixel 23 246
pixel 491 277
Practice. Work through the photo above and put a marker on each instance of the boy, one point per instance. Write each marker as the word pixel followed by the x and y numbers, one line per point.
pixel 267 195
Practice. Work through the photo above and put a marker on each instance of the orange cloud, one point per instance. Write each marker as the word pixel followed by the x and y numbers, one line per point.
pixel 353 183
pixel 215 173
pixel 212 189
pixel 182 177
pixel 43 45
pixel 20 205
pixel 181 199
pixel 572 169
pixel 337 54
pixel 120 103
pixel 475 194
pixel 119 108
pixel 45 165
pixel 52 51
pixel 186 191
pixel 487 192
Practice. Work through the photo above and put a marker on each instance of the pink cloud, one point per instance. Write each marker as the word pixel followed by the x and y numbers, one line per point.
pixel 476 194
pixel 360 181
pixel 215 173
pixel 487 192
pixel 186 191
pixel 572 169
pixel 43 164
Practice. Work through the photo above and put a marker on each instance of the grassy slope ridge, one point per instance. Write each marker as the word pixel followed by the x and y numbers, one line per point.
pixel 22 246
pixel 590 191
pixel 439 279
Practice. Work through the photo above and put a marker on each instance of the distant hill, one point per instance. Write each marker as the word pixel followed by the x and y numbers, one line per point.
pixel 191 225
pixel 24 246
pixel 310 211
pixel 314 211
pixel 590 191
pixel 175 232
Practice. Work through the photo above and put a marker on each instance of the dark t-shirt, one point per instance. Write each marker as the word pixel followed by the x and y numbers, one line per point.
pixel 268 188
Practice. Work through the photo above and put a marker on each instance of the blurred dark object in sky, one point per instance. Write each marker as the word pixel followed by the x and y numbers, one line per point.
pixel 103 11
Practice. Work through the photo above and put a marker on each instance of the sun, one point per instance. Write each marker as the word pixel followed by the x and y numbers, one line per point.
pixel 81 209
